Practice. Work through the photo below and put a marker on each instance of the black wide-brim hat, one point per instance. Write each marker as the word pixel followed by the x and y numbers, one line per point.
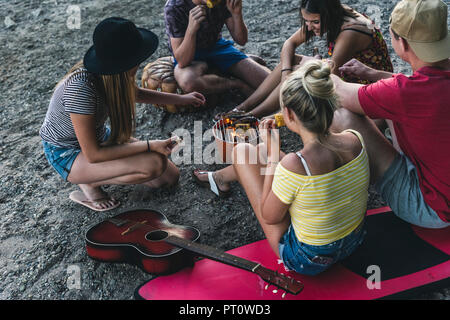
pixel 119 46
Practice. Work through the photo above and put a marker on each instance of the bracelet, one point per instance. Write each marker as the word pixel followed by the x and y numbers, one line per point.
pixel 148 146
pixel 287 69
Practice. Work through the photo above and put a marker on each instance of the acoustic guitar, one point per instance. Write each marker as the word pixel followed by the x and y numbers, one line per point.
pixel 146 238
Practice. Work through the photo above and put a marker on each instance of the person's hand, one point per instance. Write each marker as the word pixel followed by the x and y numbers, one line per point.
pixel 235 7
pixel 194 98
pixel 164 147
pixel 196 16
pixel 270 135
pixel 355 68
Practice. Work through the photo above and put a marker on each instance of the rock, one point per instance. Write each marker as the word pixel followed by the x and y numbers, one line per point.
pixel 9 22
pixel 35 13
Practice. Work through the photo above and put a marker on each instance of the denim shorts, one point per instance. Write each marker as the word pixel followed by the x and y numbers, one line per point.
pixel 61 159
pixel 223 55
pixel 400 188
pixel 312 260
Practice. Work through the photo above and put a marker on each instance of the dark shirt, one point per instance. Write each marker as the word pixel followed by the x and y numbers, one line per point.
pixel 176 16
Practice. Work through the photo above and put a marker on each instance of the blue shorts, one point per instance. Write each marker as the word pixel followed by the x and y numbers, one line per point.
pixel 223 55
pixel 400 188
pixel 311 260
pixel 61 159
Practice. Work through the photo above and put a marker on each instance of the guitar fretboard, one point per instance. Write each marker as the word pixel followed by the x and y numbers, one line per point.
pixel 213 253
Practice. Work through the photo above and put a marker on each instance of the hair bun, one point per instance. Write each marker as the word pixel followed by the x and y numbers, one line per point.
pixel 316 79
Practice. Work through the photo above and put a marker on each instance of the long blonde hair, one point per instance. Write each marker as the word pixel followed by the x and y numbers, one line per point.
pixel 310 93
pixel 120 97
pixel 119 93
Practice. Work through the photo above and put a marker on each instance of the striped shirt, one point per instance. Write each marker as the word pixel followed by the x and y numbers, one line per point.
pixel 76 94
pixel 325 208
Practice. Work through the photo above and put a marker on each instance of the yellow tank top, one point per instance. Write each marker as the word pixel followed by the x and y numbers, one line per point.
pixel 325 208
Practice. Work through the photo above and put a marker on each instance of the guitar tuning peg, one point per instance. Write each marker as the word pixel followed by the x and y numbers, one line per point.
pixel 283 295
pixel 266 287
pixel 275 291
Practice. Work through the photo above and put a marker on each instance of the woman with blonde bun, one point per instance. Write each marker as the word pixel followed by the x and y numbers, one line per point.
pixel 311 204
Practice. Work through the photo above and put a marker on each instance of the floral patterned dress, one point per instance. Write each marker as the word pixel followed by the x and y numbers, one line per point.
pixel 376 56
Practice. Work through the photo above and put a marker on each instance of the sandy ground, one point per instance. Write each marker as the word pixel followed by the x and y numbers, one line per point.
pixel 42 232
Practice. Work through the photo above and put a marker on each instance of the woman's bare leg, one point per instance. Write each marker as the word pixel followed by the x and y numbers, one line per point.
pixel 222 177
pixel 151 169
pixel 270 105
pixel 266 87
pixel 265 100
pixel 251 179
pixel 225 176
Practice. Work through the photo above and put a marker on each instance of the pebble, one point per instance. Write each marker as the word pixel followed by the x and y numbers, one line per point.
pixel 9 22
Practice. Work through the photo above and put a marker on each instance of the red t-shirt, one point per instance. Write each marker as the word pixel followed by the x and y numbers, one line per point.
pixel 419 107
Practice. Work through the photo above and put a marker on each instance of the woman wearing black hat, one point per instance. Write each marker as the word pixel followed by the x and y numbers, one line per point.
pixel 78 144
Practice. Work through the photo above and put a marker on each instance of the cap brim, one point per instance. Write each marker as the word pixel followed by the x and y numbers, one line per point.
pixel 148 47
pixel 432 52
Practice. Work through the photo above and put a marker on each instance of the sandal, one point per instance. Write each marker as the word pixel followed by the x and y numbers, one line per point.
pixel 79 197
pixel 210 183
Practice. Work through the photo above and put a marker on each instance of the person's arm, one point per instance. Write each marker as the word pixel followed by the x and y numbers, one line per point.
pixel 84 126
pixel 183 48
pixel 348 94
pixel 272 209
pixel 148 96
pixel 358 69
pixel 235 23
pixel 347 44
pixel 288 51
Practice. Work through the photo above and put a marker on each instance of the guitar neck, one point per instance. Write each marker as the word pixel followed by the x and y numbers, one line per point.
pixel 213 253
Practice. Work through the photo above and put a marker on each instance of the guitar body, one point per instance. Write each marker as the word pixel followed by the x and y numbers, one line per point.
pixel 137 236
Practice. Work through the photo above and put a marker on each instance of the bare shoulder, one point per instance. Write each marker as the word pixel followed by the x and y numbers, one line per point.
pixel 351 142
pixel 292 162
pixel 357 21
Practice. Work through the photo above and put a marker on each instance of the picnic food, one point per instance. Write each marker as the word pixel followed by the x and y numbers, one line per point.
pixel 279 120
pixel 212 3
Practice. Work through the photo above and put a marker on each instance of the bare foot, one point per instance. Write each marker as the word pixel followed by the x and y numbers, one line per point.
pixel 98 199
pixel 221 184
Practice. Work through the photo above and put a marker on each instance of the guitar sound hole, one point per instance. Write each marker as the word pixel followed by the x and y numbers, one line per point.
pixel 157 235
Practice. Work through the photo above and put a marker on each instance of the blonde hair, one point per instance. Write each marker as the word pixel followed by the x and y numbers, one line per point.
pixel 310 93
pixel 120 97
pixel 119 93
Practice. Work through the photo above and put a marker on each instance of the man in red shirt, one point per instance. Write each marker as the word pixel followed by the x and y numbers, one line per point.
pixel 412 174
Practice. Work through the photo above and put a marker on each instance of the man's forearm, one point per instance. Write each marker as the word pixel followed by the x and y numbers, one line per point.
pixel 239 31
pixel 185 52
pixel 375 75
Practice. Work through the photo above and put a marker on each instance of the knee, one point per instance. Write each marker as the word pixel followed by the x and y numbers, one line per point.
pixel 244 153
pixel 154 165
pixel 191 85
pixel 173 174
